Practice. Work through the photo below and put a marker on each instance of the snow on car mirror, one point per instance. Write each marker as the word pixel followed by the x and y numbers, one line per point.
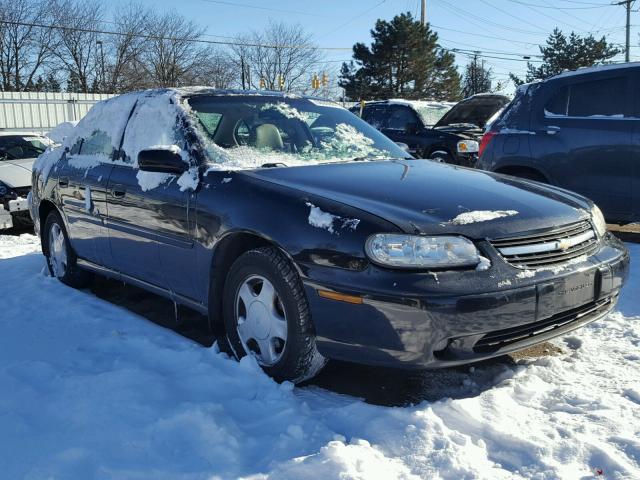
pixel 162 159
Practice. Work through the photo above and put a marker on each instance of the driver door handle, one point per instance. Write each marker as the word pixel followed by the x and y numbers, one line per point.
pixel 118 191
pixel 552 130
pixel 63 182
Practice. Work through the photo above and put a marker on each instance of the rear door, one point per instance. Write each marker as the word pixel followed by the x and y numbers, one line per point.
pixel 149 224
pixel 82 175
pixel 583 136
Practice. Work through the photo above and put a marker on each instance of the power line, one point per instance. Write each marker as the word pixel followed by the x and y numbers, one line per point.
pixel 557 7
pixel 352 19
pixel 162 37
pixel 269 9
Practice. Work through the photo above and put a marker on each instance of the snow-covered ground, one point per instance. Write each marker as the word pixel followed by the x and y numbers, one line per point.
pixel 90 390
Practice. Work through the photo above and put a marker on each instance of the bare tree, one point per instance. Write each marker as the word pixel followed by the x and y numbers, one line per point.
pixel 124 51
pixel 281 57
pixel 215 68
pixel 171 55
pixel 77 47
pixel 24 49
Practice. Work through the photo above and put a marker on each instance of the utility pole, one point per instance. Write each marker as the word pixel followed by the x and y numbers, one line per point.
pixel 423 12
pixel 627 4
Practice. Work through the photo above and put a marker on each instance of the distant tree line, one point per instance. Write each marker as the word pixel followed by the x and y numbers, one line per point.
pixel 78 46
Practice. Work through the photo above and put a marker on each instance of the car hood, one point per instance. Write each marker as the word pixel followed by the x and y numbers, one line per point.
pixel 421 196
pixel 16 173
pixel 476 110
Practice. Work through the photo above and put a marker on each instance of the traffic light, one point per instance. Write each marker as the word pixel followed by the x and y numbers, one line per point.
pixel 262 84
pixel 325 79
pixel 315 82
pixel 281 81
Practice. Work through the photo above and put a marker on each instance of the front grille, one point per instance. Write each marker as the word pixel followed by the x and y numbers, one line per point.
pixel 498 339
pixel 549 248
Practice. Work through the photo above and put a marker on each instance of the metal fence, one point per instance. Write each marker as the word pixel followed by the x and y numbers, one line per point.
pixel 41 111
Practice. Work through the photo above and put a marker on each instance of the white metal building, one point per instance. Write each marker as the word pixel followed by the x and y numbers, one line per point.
pixel 41 111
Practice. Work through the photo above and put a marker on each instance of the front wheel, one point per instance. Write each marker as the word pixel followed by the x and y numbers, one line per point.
pixel 61 259
pixel 266 314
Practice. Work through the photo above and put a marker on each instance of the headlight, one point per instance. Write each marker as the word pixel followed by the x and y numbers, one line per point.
pixel 468 146
pixel 412 251
pixel 598 220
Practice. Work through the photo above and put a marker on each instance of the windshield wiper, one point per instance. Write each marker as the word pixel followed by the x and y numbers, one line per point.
pixel 458 125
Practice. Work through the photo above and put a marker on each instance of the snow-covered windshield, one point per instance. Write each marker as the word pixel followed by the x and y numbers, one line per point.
pixel 16 147
pixel 254 131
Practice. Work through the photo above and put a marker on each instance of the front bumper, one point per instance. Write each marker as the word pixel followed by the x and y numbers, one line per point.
pixel 14 211
pixel 432 322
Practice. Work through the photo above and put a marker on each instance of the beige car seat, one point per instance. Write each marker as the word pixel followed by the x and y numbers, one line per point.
pixel 268 136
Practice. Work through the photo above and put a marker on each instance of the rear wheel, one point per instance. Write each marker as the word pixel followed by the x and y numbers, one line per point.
pixel 61 259
pixel 266 315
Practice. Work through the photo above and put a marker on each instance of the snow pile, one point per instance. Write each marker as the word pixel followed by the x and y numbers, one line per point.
pixel 90 390
pixel 481 216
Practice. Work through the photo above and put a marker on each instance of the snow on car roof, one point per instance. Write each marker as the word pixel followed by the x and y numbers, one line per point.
pixel 596 68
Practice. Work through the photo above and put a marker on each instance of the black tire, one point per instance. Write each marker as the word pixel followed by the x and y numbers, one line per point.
pixel 72 275
pixel 299 359
pixel 440 156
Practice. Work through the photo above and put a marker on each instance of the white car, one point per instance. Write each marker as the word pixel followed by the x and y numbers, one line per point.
pixel 18 150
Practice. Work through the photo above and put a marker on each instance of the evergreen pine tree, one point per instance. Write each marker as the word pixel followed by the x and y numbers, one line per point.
pixel 476 78
pixel 404 60
pixel 562 53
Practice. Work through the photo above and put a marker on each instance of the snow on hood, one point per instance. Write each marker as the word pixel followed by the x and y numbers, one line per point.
pixel 16 173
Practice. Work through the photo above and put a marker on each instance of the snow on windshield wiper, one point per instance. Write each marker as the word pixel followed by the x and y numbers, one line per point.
pixel 273 165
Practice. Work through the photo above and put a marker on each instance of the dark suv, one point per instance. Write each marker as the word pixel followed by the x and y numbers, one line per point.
pixel 451 139
pixel 578 130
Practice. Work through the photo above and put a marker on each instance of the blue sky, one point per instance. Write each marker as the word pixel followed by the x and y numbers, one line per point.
pixel 507 29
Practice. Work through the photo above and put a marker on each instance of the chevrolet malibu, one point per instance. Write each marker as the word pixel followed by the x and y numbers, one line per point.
pixel 304 234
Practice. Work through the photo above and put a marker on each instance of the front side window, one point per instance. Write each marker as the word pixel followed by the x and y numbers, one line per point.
pixel 400 117
pixel 15 147
pixel 254 131
pixel 597 98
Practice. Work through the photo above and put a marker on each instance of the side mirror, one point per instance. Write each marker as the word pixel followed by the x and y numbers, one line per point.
pixel 411 128
pixel 162 160
pixel 403 146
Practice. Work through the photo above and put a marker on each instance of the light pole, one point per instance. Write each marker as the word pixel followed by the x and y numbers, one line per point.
pixel 99 43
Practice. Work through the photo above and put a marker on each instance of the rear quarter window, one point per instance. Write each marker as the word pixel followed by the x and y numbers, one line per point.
pixel 595 98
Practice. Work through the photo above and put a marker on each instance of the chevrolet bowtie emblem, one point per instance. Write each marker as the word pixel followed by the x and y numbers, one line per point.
pixel 564 244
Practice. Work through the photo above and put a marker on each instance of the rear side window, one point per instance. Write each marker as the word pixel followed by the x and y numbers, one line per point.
pixel 589 99
pixel 99 143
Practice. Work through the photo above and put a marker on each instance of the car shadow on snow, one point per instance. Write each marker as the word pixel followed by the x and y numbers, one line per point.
pixel 375 385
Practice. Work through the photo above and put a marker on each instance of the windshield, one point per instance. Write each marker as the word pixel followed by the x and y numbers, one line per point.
pixel 16 147
pixel 431 112
pixel 255 131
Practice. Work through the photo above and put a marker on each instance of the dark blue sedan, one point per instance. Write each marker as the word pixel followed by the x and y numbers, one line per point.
pixel 305 234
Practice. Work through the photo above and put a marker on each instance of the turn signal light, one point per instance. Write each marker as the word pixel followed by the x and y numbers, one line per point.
pixel 342 297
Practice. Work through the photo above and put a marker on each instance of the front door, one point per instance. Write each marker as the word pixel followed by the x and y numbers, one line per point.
pixel 149 225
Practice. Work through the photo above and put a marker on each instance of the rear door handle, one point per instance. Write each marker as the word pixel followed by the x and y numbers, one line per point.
pixel 552 130
pixel 63 182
